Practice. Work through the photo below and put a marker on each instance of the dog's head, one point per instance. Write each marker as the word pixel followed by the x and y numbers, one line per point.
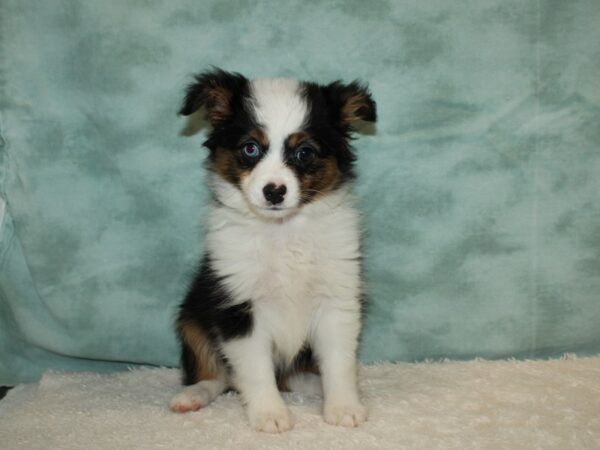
pixel 281 143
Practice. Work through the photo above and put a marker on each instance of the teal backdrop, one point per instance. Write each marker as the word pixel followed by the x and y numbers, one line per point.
pixel 480 188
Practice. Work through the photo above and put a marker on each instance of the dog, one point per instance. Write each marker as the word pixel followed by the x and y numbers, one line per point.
pixel 278 293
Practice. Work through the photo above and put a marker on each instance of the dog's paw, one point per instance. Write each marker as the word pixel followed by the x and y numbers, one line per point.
pixel 191 398
pixel 274 420
pixel 182 403
pixel 345 414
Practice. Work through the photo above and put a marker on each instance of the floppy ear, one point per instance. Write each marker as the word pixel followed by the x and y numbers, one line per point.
pixel 352 101
pixel 216 91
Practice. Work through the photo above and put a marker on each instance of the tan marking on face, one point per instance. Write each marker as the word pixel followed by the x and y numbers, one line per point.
pixel 296 139
pixel 227 165
pixel 322 181
pixel 260 136
pixel 207 361
pixel 243 175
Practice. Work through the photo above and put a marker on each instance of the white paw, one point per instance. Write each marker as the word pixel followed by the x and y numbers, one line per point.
pixel 345 414
pixel 274 420
pixel 191 398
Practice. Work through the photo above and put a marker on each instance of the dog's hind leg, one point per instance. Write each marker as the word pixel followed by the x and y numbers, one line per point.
pixel 198 395
pixel 204 373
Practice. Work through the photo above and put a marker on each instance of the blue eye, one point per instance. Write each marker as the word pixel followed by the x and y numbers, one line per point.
pixel 251 150
pixel 305 154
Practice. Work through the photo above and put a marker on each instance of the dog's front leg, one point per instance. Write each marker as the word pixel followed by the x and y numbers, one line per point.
pixel 253 376
pixel 335 341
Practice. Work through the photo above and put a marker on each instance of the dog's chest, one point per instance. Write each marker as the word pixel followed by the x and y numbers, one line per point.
pixel 268 262
pixel 285 269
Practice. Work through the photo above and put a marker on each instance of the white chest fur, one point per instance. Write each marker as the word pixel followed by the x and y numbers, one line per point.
pixel 289 269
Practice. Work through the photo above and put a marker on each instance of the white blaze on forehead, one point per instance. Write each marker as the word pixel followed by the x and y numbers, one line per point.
pixel 281 110
pixel 279 107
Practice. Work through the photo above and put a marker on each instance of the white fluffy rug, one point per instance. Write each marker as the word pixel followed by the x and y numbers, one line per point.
pixel 449 405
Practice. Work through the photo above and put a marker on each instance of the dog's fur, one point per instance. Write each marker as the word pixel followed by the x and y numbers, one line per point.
pixel 279 290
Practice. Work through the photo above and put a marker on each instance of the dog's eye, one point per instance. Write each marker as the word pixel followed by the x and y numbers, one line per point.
pixel 304 155
pixel 251 150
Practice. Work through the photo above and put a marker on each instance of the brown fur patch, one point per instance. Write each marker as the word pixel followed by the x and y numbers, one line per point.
pixel 218 104
pixel 225 160
pixel 260 136
pixel 296 139
pixel 208 364
pixel 226 164
pixel 320 182
pixel 316 182
pixel 350 110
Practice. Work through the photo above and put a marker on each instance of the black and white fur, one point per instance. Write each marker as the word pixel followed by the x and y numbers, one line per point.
pixel 279 290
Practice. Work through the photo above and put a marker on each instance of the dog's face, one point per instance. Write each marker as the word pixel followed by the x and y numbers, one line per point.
pixel 281 143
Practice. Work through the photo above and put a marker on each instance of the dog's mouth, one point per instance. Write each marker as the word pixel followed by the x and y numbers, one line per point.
pixel 274 211
pixel 277 209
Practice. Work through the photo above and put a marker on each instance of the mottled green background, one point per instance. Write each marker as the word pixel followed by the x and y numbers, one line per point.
pixel 480 189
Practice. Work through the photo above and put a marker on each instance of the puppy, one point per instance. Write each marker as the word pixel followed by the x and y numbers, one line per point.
pixel 278 292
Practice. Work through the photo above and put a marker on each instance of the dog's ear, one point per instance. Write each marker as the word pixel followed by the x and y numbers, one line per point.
pixel 352 101
pixel 216 91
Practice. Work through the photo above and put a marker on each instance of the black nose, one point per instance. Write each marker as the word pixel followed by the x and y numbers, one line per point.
pixel 274 194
